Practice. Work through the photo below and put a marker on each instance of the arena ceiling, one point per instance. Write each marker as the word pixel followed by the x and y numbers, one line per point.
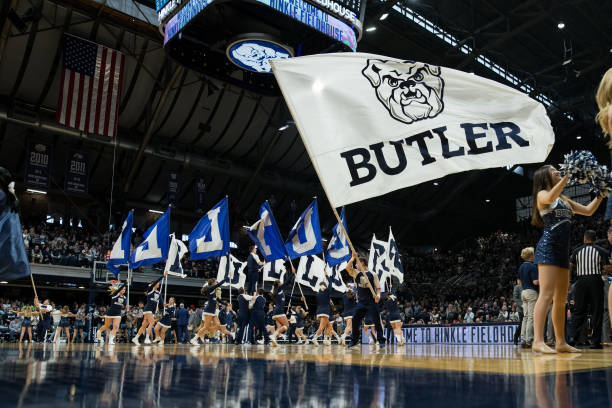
pixel 173 119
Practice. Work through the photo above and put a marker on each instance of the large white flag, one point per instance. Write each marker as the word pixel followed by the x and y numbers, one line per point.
pixel 232 272
pixel 274 271
pixel 175 254
pixel 377 263
pixel 310 272
pixel 374 124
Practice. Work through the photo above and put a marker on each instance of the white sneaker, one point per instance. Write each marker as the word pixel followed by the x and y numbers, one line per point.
pixel 299 341
pixel 327 342
pixel 161 342
pixel 156 340
pixel 273 340
pixel 260 341
pixel 147 340
pixel 314 341
pixel 135 341
pixel 194 341
pixel 111 339
pixel 342 339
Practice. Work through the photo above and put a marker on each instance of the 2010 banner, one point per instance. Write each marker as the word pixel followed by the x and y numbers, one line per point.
pixel 173 187
pixel 38 165
pixel 199 187
pixel 77 173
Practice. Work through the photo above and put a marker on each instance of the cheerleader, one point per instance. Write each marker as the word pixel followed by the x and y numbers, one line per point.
pixel 148 321
pixel 79 324
pixel 279 316
pixel 394 318
pixel 270 325
pixel 64 323
pixel 368 327
pixel 210 309
pixel 323 313
pixel 165 322
pixel 27 322
pixel 349 302
pixel 258 317
pixel 113 314
pixel 300 314
pixel 244 314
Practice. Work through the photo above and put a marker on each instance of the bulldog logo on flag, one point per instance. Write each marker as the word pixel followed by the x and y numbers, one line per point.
pixel 410 91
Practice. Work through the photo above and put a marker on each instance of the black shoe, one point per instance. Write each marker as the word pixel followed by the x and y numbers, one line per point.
pixel 596 346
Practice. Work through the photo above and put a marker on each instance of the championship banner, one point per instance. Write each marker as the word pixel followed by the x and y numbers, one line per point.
pixel 38 165
pixel 373 124
pixel 457 334
pixel 77 173
pixel 173 187
pixel 199 188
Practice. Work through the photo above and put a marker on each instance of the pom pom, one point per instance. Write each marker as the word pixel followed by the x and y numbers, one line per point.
pixel 583 169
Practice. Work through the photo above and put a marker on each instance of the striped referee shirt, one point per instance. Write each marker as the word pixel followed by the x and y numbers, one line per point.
pixel 588 259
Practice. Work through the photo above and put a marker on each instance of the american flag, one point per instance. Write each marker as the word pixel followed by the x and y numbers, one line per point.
pixel 90 91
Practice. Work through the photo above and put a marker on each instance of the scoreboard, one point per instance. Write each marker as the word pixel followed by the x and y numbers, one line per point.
pixel 350 11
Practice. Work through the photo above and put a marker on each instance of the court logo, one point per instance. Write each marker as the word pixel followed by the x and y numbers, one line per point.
pixel 410 91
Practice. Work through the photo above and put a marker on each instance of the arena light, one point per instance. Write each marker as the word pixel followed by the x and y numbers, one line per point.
pixel 435 183
pixel 370 29
pixel 81 287
pixel 384 16
pixel 284 127
pixel 3 282
pixel 156 211
pixel 578 137
pixel 561 25
pixel 487 200
pixel 32 191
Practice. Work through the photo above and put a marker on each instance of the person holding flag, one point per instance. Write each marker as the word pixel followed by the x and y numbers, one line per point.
pixel 165 322
pixel 367 302
pixel 254 264
pixel 279 316
pixel 210 310
pixel 154 297
pixel 113 314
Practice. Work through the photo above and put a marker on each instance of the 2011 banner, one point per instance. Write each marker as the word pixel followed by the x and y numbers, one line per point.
pixel 199 187
pixel 173 187
pixel 77 173
pixel 38 165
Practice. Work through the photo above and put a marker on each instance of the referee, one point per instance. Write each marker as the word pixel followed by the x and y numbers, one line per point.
pixel 588 260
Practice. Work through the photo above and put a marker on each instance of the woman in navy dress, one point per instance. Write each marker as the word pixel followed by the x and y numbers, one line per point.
pixel 553 211
pixel 26 324
pixel 323 313
pixel 300 314
pixel 64 324
pixel 368 327
pixel 113 314
pixel 394 318
pixel 154 298
pixel 165 322
pixel 279 316
pixel 349 301
pixel 211 321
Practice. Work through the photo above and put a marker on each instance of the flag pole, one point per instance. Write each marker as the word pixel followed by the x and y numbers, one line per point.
pixel 316 168
pixel 128 285
pixel 230 286
pixel 33 286
pixel 299 286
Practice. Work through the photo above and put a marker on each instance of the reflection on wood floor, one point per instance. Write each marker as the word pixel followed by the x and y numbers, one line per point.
pixel 300 376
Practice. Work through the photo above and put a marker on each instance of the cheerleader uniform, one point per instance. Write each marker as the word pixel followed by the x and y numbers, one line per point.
pixel 323 300
pixel 299 323
pixel 166 320
pixel 367 322
pixel 393 313
pixel 154 297
pixel 117 303
pixel 279 298
pixel 349 305
pixel 27 322
pixel 64 321
pixel 210 292
pixel 553 247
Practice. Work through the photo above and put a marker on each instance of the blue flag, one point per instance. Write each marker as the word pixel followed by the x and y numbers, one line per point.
pixel 14 262
pixel 211 237
pixel 338 250
pixel 266 236
pixel 305 236
pixel 154 248
pixel 120 254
